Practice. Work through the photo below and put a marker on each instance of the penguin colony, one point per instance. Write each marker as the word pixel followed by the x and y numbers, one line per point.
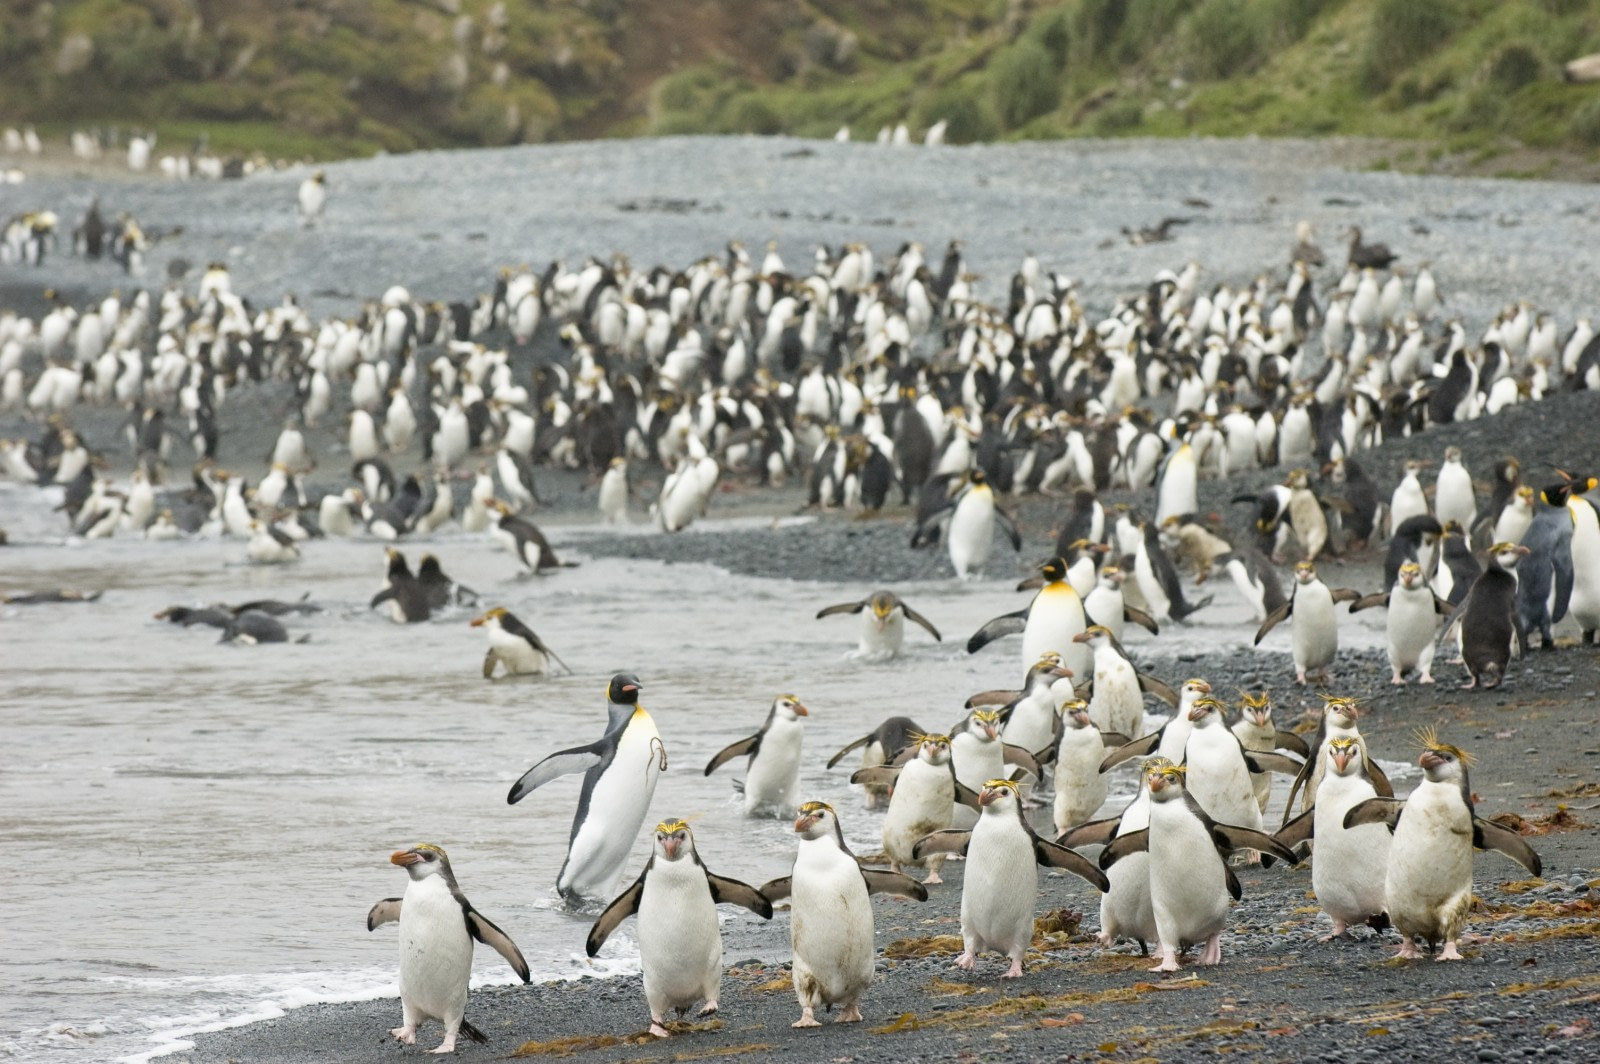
pixel 864 380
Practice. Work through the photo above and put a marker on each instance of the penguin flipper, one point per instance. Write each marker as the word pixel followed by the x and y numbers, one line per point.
pixel 1140 747
pixel 858 744
pixel 1298 830
pixel 1134 615
pixel 1114 739
pixel 380 598
pixel 950 840
pixel 1266 761
pixel 1123 845
pixel 1345 594
pixel 490 660
pixel 1054 855
pixel 1094 833
pixel 1235 891
pixel 1023 759
pixel 843 607
pixel 1366 602
pixel 965 795
pixel 879 882
pixel 1032 583
pixel 992 698
pixel 1380 782
pixel 484 930
pixel 1150 685
pixel 1287 740
pixel 876 775
pixel 917 618
pixel 1275 618
pixel 1299 781
pixel 1385 811
pixel 1440 607
pixel 733 892
pixel 624 906
pixel 1234 837
pixel 386 911
pixel 1009 526
pixel 776 890
pixel 561 763
pixel 1487 835
pixel 744 746
pixel 1005 624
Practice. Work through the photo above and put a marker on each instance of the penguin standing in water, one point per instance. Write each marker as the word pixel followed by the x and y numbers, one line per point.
pixel 1190 882
pixel 1001 885
pixel 1428 886
pixel 407 599
pixel 680 941
pixel 514 645
pixel 830 916
pixel 1411 625
pixel 1316 626
pixel 442 591
pixel 877 748
pixel 1491 629
pixel 772 774
pixel 620 771
pixel 437 927
pixel 1048 624
pixel 973 516
pixel 524 539
pixel 883 626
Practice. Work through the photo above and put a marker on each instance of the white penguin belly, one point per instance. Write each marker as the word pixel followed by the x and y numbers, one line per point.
pixel 680 942
pixel 1350 865
pixel 1316 633
pixel 976 763
pixel 922 803
pixel 517 654
pixel 1219 779
pixel 617 807
pixel 881 641
pixel 773 776
pixel 1411 626
pixel 971 535
pixel 1125 909
pixel 997 895
pixel 830 925
pixel 1055 617
pixel 1080 786
pixel 1429 883
pixel 1118 703
pixel 435 952
pixel 1188 888
pixel 1032 724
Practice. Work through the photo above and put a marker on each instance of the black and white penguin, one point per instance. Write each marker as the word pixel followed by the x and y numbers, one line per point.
pixel 1256 579
pixel 883 625
pixel 1158 579
pixel 772 771
pixel 1315 635
pixel 1458 569
pixel 1428 886
pixel 1001 886
pixel 523 539
pixel 514 645
pixel 878 747
pixel 1358 512
pixel 1545 577
pixel 1339 716
pixel 974 515
pixel 923 792
pixel 1491 630
pixel 1413 540
pixel 830 916
pixel 680 940
pixel 1411 624
pixel 620 771
pixel 437 928
pixel 407 599
pixel 441 590
pixel 1190 881
pixel 1048 624
pixel 252 627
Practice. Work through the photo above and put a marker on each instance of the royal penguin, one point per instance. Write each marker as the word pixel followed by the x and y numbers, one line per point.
pixel 1001 885
pixel 437 928
pixel 1414 540
pixel 1428 886
pixel 883 624
pixel 1259 735
pixel 1458 569
pixel 1190 881
pixel 878 747
pixel 1079 787
pixel 1221 773
pixel 1029 719
pixel 1048 623
pixel 1116 703
pixel 1412 622
pixel 270 545
pixel 1408 499
pixel 1176 493
pixel 312 197
pixel 772 771
pixel 514 646
pixel 1349 869
pixel 523 539
pixel 1158 579
pixel 1168 740
pixel 680 940
pixel 923 794
pixel 1125 910
pixel 407 599
pixel 979 754
pixel 1454 498
pixel 1107 604
pixel 1491 630
pixel 1256 580
pixel 442 591
pixel 1315 625
pixel 620 771
pixel 830 916
pixel 613 495
pixel 1340 715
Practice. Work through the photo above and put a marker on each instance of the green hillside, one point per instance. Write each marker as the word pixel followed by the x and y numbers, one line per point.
pixel 337 77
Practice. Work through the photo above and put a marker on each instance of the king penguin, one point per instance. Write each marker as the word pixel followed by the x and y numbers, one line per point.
pixel 1048 624
pixel 620 771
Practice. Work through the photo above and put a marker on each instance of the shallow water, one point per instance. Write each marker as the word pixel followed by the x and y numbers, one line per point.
pixel 197 830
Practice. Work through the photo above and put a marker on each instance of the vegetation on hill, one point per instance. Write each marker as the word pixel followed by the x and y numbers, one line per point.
pixel 330 77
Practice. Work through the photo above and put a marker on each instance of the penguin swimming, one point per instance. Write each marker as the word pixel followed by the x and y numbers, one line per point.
pixel 1428 886
pixel 440 589
pixel 830 916
pixel 514 646
pixel 407 599
pixel 524 540
pixel 620 771
pixel 772 773
pixel 1001 884
pixel 883 628
pixel 680 941
pixel 437 928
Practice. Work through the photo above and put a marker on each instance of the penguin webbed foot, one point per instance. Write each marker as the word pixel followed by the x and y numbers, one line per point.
pixel 967 961
pixel 709 1009
pixel 407 1035
pixel 808 1018
pixel 851 1013
pixel 1449 953
pixel 1339 929
pixel 1015 971
pixel 1408 950
pixel 658 1029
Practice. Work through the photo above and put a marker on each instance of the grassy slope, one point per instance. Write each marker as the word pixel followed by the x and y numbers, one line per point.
pixel 350 76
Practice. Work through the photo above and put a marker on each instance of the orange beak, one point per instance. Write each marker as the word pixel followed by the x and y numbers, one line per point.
pixel 404 858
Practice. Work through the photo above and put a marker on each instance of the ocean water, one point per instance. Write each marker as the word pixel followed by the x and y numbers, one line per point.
pixel 195 831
